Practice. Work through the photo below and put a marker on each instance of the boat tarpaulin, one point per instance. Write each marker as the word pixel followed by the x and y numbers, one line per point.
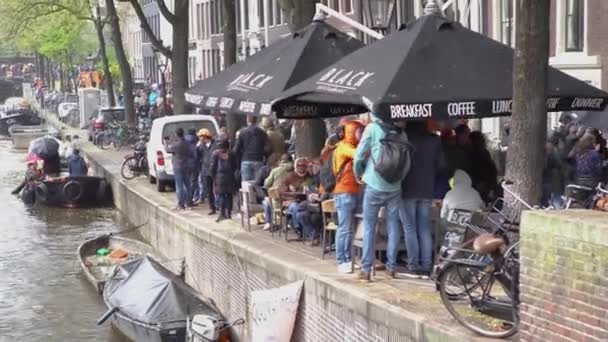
pixel 146 292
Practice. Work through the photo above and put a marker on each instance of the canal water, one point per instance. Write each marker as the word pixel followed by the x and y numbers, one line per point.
pixel 43 295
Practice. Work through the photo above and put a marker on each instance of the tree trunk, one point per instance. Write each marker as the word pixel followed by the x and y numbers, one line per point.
pixel 529 120
pixel 310 134
pixel 123 63
pixel 179 61
pixel 41 69
pixel 61 79
pixel 104 59
pixel 51 75
pixel 233 121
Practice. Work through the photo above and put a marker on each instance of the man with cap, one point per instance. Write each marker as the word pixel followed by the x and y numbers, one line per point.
pixel 204 151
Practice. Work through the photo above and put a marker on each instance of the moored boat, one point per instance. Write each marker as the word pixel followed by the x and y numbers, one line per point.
pixel 148 303
pixel 22 136
pixel 71 191
pixel 98 262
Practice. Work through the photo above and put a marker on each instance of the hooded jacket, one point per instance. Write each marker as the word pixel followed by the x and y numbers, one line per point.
pixel 344 154
pixel 462 195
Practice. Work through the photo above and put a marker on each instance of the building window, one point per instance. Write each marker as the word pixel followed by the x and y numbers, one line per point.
pixel 199 33
pixel 575 25
pixel 262 23
pixel 347 6
pixel 272 5
pixel 246 3
pixel 506 22
pixel 277 13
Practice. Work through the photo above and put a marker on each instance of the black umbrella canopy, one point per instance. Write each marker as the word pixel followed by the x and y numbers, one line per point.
pixel 434 68
pixel 248 87
pixel 44 147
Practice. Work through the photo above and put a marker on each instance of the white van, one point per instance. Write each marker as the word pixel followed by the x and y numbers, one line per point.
pixel 161 169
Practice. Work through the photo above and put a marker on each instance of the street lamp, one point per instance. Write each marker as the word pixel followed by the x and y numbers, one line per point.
pixel 378 14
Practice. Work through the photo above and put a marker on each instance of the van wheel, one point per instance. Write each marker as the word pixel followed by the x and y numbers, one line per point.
pixel 160 186
pixel 151 179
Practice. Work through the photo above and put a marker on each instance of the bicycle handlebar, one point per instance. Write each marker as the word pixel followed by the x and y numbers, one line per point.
pixel 505 184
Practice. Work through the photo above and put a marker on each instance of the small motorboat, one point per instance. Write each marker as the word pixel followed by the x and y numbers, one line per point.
pixel 99 256
pixel 22 118
pixel 22 136
pixel 148 303
pixel 71 191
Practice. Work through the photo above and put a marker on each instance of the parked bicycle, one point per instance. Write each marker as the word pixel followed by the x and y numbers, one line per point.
pixel 584 197
pixel 117 135
pixel 479 281
pixel 136 163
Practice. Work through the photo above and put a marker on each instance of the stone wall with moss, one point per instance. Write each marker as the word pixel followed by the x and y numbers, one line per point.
pixel 564 276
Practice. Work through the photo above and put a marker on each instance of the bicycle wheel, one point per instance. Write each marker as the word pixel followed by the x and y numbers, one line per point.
pixel 128 167
pixel 117 142
pixel 482 304
pixel 105 141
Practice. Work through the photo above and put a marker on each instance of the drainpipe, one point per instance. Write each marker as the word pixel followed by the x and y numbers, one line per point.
pixel 266 23
pixel 243 35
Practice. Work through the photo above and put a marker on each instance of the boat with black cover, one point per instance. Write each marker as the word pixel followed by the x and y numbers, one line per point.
pixel 148 303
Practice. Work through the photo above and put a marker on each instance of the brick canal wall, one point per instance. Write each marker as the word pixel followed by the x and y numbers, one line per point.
pixel 564 276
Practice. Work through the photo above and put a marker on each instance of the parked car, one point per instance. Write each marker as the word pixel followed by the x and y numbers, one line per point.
pixel 101 117
pixel 159 161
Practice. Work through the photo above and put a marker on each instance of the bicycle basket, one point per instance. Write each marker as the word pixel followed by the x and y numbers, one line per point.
pixel 578 193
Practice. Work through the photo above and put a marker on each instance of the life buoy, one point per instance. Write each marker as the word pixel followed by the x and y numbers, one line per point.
pixel 42 192
pixel 72 191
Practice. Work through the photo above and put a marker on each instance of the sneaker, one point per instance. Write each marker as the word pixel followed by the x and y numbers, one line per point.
pixel 212 212
pixel 345 268
pixel 391 274
pixel 219 218
pixel 412 274
pixel 177 208
pixel 189 208
pixel 267 226
pixel 424 274
pixel 364 276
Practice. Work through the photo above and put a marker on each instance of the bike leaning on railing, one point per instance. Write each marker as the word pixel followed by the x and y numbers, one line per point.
pixel 479 281
pixel 136 163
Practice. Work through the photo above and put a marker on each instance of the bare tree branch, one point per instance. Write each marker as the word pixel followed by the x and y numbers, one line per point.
pixel 157 43
pixel 162 6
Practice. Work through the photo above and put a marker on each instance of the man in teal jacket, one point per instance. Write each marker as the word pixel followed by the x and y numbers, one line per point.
pixel 378 193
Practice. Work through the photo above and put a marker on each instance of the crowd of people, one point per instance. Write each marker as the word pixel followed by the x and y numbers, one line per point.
pixel 447 169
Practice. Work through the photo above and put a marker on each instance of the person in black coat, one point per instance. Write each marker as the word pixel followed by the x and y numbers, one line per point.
pixel 483 171
pixel 204 151
pixel 223 168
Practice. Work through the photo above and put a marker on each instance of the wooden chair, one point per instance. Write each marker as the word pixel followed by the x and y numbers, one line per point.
pixel 277 210
pixel 248 204
pixel 330 224
pixel 381 238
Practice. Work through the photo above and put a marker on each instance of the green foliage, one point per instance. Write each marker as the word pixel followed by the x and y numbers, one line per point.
pixel 57 29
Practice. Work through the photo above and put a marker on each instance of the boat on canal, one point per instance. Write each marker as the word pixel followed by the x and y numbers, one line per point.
pixel 69 191
pixel 98 261
pixel 147 302
pixel 22 136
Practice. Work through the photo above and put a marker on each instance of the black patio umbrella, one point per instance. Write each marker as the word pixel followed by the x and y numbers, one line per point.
pixel 248 87
pixel 45 148
pixel 433 68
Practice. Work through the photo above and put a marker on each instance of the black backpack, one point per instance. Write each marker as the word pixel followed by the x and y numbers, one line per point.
pixel 395 159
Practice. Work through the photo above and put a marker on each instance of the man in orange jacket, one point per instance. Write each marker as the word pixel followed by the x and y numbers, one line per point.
pixel 346 192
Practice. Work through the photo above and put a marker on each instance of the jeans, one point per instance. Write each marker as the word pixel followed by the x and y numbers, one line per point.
pixel 225 204
pixel 194 188
pixel 267 204
pixel 293 211
pixel 249 168
pixel 308 223
pixel 415 214
pixel 182 188
pixel 202 187
pixel 373 200
pixel 346 205
pixel 208 181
